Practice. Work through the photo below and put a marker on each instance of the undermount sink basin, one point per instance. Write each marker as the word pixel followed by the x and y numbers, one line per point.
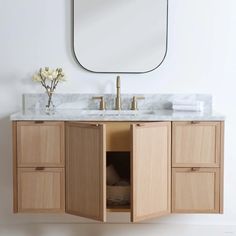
pixel 118 113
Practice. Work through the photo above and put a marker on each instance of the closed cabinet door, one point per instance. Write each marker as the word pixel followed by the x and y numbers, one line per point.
pixel 195 190
pixel 196 144
pixel 150 170
pixel 85 170
pixel 41 190
pixel 40 144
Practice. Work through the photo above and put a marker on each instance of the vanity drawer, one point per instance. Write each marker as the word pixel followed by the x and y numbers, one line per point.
pixel 195 190
pixel 40 144
pixel 196 144
pixel 41 190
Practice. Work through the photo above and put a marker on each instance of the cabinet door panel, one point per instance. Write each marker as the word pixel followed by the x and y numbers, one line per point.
pixel 40 144
pixel 151 170
pixel 41 191
pixel 195 190
pixel 195 144
pixel 85 170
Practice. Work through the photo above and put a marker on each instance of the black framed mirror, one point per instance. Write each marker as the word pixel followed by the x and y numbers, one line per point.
pixel 120 36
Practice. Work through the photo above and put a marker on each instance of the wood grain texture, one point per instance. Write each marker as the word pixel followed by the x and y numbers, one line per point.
pixel 196 144
pixel 41 191
pixel 14 153
pixel 150 170
pixel 195 191
pixel 118 136
pixel 86 170
pixel 222 168
pixel 40 144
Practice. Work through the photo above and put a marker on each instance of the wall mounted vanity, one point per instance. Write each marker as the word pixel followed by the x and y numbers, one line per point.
pixel 174 159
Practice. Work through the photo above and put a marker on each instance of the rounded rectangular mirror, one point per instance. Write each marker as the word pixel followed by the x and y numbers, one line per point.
pixel 120 36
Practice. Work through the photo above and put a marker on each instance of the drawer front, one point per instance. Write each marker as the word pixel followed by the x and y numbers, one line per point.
pixel 41 190
pixel 195 190
pixel 40 144
pixel 195 144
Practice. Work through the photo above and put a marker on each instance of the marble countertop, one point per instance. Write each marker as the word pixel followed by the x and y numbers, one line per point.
pixel 112 115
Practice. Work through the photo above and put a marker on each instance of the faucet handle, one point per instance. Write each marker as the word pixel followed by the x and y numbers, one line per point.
pixel 102 102
pixel 134 104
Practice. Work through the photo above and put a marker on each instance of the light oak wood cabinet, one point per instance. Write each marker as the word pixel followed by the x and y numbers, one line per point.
pixel 173 167
pixel 38 166
pixel 40 144
pixel 151 170
pixel 41 190
pixel 118 136
pixel 195 190
pixel 197 167
pixel 86 169
pixel 196 144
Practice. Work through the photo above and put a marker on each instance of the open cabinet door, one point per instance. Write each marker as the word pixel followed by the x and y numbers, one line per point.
pixel 85 170
pixel 150 170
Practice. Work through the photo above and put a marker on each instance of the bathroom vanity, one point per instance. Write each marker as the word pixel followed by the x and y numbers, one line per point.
pixel 174 160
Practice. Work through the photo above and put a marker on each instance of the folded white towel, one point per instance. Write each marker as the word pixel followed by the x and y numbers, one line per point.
pixel 187 107
pixel 187 102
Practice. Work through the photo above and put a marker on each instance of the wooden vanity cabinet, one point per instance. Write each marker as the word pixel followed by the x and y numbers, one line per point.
pixel 197 167
pixel 195 190
pixel 173 167
pixel 39 178
pixel 86 168
pixel 41 190
pixel 196 144
pixel 40 144
pixel 151 170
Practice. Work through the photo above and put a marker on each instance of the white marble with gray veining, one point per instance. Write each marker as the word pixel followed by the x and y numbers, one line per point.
pixel 80 107
pixel 80 115
pixel 85 101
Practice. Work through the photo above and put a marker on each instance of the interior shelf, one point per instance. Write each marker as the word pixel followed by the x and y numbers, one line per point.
pixel 118 208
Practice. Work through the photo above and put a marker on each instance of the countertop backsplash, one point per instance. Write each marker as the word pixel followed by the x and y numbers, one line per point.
pixel 85 101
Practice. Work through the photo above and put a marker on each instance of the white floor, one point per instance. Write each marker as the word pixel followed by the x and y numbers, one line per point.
pixel 114 230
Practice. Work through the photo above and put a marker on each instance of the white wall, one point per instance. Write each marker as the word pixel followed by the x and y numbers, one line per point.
pixel 201 59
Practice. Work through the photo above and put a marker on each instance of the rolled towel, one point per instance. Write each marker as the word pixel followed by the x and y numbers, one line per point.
pixel 188 107
pixel 112 175
pixel 187 102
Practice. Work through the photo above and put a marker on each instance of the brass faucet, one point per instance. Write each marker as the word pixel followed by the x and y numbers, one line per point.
pixel 118 97
pixel 102 102
pixel 134 104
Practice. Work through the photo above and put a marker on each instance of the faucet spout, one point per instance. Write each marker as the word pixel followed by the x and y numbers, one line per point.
pixel 118 97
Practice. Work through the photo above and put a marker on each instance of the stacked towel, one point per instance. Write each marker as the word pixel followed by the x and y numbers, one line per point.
pixel 187 105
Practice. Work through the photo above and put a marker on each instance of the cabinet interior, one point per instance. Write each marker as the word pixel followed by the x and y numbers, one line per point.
pixel 118 158
pixel 120 162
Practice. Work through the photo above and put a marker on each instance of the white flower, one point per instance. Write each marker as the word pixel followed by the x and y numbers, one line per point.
pixel 44 73
pixel 49 78
pixel 61 78
pixel 54 74
pixel 37 78
pixel 49 74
